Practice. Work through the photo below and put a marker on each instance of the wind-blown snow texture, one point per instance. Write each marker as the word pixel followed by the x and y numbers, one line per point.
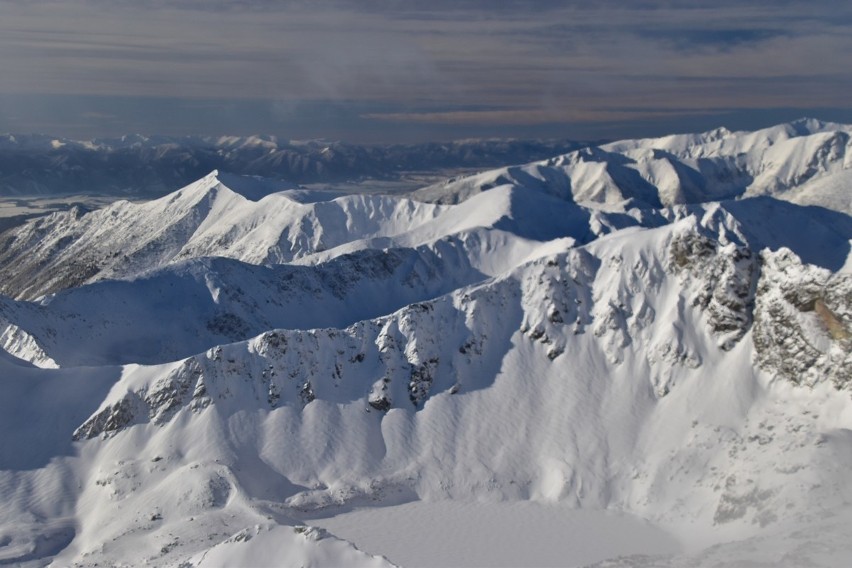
pixel 188 380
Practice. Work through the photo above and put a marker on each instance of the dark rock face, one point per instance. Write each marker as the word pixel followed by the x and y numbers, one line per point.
pixel 113 418
pixel 183 386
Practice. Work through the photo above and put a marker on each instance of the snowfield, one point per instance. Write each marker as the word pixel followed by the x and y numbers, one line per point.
pixel 638 354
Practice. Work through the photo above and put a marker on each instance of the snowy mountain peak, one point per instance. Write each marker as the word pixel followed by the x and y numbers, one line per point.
pixel 203 186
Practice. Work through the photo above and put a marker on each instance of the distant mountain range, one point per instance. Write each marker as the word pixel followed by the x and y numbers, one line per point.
pixel 140 166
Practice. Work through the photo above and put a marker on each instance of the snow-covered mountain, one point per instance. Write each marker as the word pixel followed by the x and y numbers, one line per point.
pixel 208 218
pixel 806 162
pixel 198 380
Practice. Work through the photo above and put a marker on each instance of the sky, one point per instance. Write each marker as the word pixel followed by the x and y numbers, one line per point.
pixel 407 71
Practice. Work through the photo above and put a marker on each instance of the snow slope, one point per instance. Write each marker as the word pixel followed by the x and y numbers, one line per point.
pixel 177 311
pixel 686 366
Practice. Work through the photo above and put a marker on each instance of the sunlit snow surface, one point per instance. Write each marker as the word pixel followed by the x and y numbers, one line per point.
pixel 453 533
pixel 548 370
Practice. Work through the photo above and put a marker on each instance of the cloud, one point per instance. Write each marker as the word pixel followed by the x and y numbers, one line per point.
pixel 90 114
pixel 723 39
pixel 531 116
pixel 466 62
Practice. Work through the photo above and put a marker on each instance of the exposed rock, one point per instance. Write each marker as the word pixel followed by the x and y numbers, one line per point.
pixel 111 419
pixel 802 321
pixel 727 275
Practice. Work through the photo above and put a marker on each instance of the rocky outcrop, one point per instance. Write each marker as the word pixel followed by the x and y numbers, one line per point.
pixel 803 321
pixel 184 386
pixel 726 275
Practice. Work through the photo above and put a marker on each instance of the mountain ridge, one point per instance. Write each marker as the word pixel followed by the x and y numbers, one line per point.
pixel 680 169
